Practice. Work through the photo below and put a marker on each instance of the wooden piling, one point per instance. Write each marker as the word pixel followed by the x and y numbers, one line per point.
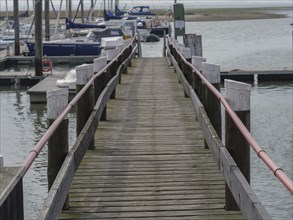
pixel 211 103
pixel 38 39
pixel 194 42
pixel 58 143
pixel 101 81
pixel 85 105
pixel 16 28
pixel 238 95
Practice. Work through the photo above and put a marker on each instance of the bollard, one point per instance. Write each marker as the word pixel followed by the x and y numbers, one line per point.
pixel 85 105
pixel 58 143
pixel 194 42
pixel 238 95
pixel 197 84
pixel 211 103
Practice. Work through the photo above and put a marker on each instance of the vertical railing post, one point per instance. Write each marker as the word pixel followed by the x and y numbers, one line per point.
pixel 101 81
pixel 85 105
pixel 238 95
pixel 211 103
pixel 164 45
pixel 197 84
pixel 58 143
pixel 111 71
pixel 184 67
pixel 120 59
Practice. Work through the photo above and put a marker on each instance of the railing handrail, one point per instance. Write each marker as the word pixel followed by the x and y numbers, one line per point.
pixel 278 172
pixel 33 154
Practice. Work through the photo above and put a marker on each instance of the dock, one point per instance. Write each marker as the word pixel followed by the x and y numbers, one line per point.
pixel 149 164
pixel 149 142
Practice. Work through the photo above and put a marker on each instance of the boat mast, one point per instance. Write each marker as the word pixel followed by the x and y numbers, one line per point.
pixel 57 20
pixel 16 28
pixel 47 20
pixel 7 16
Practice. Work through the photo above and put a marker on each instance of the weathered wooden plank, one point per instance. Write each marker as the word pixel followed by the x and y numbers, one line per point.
pixel 153 214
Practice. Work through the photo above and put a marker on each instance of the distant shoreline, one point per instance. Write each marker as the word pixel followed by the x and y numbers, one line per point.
pixel 229 14
pixel 211 14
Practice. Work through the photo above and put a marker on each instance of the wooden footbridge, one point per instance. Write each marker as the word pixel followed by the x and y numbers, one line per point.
pixel 147 146
pixel 149 161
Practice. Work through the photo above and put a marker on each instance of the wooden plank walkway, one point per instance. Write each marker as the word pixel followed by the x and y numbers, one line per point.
pixel 150 162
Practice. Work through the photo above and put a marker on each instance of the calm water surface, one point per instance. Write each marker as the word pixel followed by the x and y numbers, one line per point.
pixel 235 44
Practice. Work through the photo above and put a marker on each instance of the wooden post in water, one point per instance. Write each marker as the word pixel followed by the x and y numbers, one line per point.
pixel 194 42
pixel 38 39
pixel 85 105
pixel 101 81
pixel 58 143
pixel 16 28
pixel 47 20
pixel 211 103
pixel 238 95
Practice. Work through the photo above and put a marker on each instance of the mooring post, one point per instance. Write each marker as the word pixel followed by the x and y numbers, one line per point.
pixel 194 42
pixel 211 103
pixel 58 143
pixel 197 83
pixel 238 95
pixel 101 81
pixel 85 105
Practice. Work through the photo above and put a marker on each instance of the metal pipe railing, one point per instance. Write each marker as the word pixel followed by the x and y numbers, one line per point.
pixel 48 134
pixel 278 172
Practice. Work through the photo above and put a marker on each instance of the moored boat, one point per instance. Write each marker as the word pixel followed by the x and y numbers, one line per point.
pixel 90 45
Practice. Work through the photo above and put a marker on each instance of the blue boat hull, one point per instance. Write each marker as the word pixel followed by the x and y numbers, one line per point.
pixel 66 49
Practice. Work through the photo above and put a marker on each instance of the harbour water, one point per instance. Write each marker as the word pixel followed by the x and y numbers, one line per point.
pixel 253 44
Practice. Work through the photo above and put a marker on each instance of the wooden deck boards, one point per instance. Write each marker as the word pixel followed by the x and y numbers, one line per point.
pixel 149 161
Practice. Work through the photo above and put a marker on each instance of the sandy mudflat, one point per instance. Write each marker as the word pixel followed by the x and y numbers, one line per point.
pixel 226 14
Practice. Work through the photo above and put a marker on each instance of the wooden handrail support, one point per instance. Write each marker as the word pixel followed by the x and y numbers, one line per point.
pixel 57 195
pixel 243 194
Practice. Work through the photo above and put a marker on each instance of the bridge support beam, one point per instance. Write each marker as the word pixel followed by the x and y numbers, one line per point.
pixel 58 143
pixel 238 95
